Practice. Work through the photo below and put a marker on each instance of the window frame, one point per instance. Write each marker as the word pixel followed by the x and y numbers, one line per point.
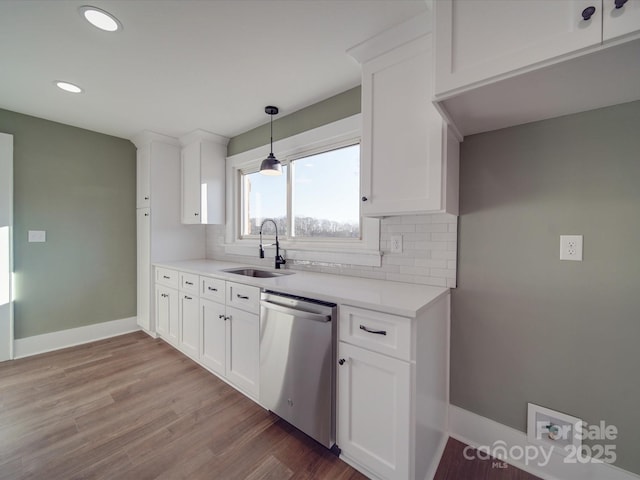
pixel 363 251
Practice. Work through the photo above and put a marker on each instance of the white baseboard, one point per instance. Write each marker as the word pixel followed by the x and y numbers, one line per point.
pixel 478 431
pixel 25 347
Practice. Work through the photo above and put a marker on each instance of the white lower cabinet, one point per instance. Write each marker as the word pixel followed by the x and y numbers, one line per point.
pixel 243 350
pixel 230 344
pixel 190 325
pixel 167 313
pixel 214 322
pixel 393 390
pixel 213 319
pixel 374 410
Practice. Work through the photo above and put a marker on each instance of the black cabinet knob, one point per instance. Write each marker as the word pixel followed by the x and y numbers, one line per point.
pixel 620 3
pixel 341 361
pixel 588 12
pixel 364 199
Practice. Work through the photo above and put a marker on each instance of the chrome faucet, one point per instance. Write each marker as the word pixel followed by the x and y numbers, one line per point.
pixel 279 259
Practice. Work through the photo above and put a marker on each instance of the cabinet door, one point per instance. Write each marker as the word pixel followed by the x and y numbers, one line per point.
pixel 476 41
pixel 143 177
pixel 191 183
pixel 402 154
pixel 167 313
pixel 212 181
pixel 243 350
pixel 189 325
pixel 617 22
pixel 143 225
pixel 374 411
pixel 214 343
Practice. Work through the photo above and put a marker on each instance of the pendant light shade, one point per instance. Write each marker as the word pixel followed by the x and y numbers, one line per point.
pixel 271 165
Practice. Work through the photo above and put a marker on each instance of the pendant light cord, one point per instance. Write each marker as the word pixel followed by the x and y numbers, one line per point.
pixel 271 133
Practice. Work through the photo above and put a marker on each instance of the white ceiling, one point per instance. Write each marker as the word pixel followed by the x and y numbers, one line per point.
pixel 181 65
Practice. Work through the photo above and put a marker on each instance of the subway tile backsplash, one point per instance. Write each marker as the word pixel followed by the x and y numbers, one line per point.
pixel 428 256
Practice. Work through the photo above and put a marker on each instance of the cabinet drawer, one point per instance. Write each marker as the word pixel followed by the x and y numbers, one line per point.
pixel 189 282
pixel 167 277
pixel 244 297
pixel 212 288
pixel 376 331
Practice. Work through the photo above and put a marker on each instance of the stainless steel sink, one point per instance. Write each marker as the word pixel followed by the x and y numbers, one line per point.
pixel 256 272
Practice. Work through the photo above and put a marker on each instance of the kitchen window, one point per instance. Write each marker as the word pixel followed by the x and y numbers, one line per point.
pixel 316 197
pixel 315 202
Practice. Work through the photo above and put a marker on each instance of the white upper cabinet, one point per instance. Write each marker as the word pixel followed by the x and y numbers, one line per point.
pixel 502 63
pixel 203 177
pixel 619 19
pixel 406 166
pixel 478 40
pixel 143 178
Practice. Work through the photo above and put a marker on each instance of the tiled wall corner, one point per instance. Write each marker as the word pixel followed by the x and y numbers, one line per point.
pixel 429 249
pixel 428 256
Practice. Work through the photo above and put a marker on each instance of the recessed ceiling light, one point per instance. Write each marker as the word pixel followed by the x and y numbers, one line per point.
pixel 68 87
pixel 100 19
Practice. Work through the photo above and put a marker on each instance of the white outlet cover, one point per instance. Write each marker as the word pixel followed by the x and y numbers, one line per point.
pixel 37 236
pixel 571 247
pixel 396 243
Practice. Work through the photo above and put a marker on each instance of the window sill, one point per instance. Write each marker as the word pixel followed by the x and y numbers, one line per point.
pixel 313 253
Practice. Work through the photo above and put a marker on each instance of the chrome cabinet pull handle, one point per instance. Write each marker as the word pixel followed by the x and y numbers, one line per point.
pixel 212 289
pixel 188 298
pixel 377 332
pixel 188 283
pixel 242 297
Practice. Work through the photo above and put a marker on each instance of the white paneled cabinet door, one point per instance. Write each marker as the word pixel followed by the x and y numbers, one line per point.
pixel 143 225
pixel 213 320
pixel 167 313
pixel 203 177
pixel 191 183
pixel 143 177
pixel 190 325
pixel 374 410
pixel 243 350
pixel 622 21
pixel 402 153
pixel 479 40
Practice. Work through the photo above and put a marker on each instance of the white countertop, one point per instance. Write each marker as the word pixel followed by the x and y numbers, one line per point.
pixel 397 298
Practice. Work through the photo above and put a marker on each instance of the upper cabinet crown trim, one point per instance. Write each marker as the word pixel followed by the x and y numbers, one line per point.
pixel 203 136
pixel 146 137
pixel 393 37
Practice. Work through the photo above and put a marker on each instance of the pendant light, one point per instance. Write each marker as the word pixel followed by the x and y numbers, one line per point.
pixel 271 165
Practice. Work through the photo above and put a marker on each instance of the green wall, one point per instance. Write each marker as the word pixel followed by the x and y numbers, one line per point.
pixel 79 186
pixel 527 327
pixel 332 109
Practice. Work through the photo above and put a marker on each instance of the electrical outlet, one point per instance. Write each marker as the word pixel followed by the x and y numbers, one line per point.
pixel 396 243
pixel 571 247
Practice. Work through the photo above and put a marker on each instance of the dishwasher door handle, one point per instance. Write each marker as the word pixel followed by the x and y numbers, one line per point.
pixel 318 317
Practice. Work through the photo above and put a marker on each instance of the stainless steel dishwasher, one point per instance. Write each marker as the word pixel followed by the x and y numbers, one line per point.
pixel 297 371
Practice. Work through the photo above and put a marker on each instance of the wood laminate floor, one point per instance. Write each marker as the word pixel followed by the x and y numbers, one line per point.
pixel 454 466
pixel 133 408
